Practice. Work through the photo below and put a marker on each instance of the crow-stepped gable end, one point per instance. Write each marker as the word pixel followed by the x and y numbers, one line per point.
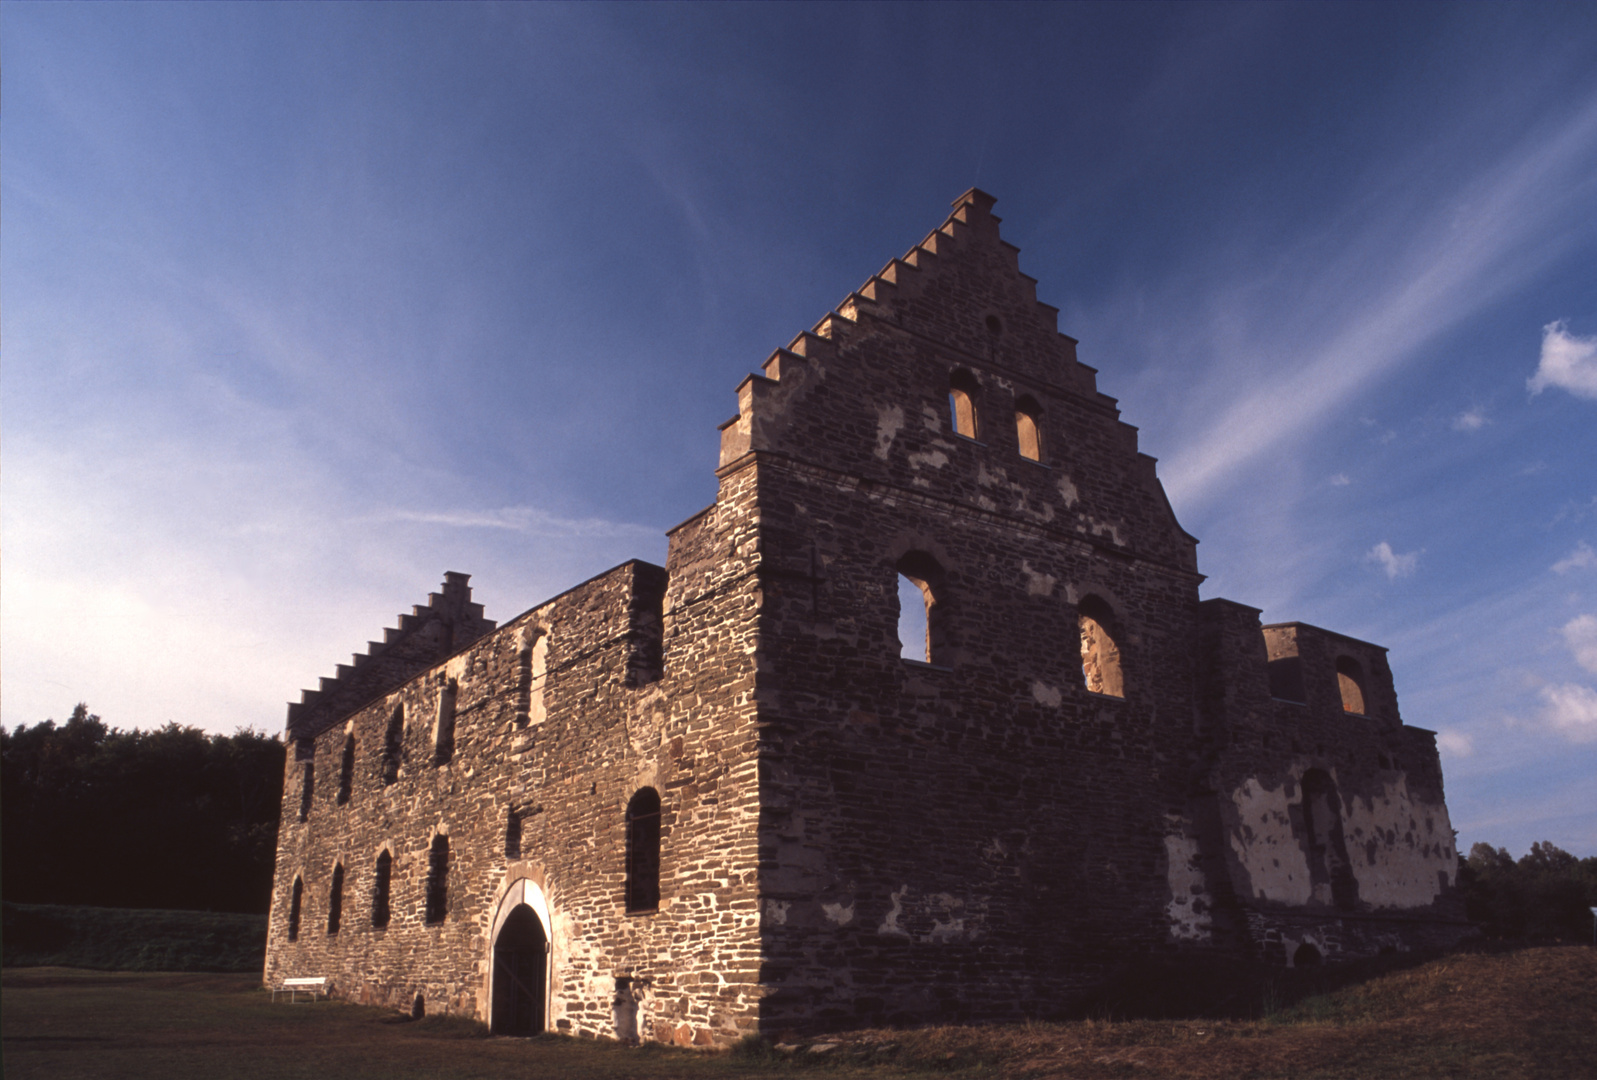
pixel 723 797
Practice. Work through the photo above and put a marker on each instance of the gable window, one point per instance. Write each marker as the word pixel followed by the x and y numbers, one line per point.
pixel 444 738
pixel 346 770
pixel 335 900
pixel 1027 431
pixel 1350 681
pixel 293 909
pixel 381 880
pixel 1100 651
pixel 438 879
pixel 643 851
pixel 393 744
pixel 962 393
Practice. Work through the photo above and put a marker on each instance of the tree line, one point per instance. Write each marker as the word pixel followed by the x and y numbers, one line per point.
pixel 1546 895
pixel 170 818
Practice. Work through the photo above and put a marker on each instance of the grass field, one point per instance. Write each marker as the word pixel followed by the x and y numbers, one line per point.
pixel 132 939
pixel 1531 1014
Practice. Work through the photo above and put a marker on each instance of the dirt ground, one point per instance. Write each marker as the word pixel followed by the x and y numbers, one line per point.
pixel 1531 1013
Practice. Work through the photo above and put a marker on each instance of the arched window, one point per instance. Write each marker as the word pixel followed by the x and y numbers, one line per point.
pixel 438 879
pixel 307 789
pixel 293 909
pixel 335 900
pixel 444 737
pixel 539 675
pixel 1350 680
pixel 346 770
pixel 921 630
pixel 1026 428
pixel 380 884
pixel 512 834
pixel 643 851
pixel 963 390
pixel 393 745
pixel 1326 848
pixel 1100 652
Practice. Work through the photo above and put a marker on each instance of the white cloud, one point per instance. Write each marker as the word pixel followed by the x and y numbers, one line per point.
pixel 1455 743
pixel 1472 420
pixel 1340 480
pixel 523 519
pixel 1571 710
pixel 1568 362
pixel 1582 558
pixel 1395 565
pixel 1580 634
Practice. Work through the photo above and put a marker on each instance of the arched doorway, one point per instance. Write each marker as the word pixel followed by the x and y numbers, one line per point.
pixel 519 976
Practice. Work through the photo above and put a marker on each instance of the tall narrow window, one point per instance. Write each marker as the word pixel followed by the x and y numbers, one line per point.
pixel 346 770
pixel 1100 653
pixel 380 883
pixel 438 879
pixel 307 789
pixel 962 390
pixel 512 834
pixel 335 900
pixel 539 676
pixel 921 618
pixel 393 745
pixel 1026 429
pixel 293 909
pixel 444 738
pixel 643 851
pixel 523 686
pixel 1350 680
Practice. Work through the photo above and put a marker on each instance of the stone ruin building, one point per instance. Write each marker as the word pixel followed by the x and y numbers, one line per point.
pixel 716 799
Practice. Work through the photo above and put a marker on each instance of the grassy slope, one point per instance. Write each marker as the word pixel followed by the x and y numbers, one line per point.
pixel 128 939
pixel 1524 1014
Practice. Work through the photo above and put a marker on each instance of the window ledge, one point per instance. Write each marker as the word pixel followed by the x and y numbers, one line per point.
pixel 1288 701
pixel 1105 697
pixel 642 911
pixel 1034 461
pixel 922 665
pixel 967 438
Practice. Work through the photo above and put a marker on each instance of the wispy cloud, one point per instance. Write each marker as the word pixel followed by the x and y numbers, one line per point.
pixel 1471 420
pixel 1394 564
pixel 1571 710
pixel 1580 634
pixel 1582 558
pixel 1340 480
pixel 1486 236
pixel 1456 743
pixel 522 519
pixel 1567 362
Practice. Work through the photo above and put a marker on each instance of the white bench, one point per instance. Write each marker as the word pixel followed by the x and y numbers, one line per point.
pixel 294 987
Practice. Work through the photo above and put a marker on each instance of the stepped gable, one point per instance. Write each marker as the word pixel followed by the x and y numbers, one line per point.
pixel 447 623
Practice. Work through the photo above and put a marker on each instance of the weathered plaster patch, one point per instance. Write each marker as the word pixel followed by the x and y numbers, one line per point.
pixel 839 913
pixel 890 927
pixel 1189 895
pixel 1045 694
pixel 1037 584
pixel 776 911
pixel 931 419
pixel 1099 528
pixel 1068 492
pixel 935 458
pixel 1398 845
pixel 1271 859
pixel 889 422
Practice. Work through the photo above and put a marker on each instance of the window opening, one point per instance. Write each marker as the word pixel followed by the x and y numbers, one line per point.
pixel 513 834
pixel 994 324
pixel 380 884
pixel 1286 679
pixel 962 391
pixel 643 851
pixel 1330 869
pixel 293 909
pixel 307 789
pixel 1026 429
pixel 1350 681
pixel 539 675
pixel 418 1007
pixel 523 686
pixel 393 744
pixel 1100 653
pixel 921 618
pixel 1306 956
pixel 438 879
pixel 444 741
pixel 346 770
pixel 335 900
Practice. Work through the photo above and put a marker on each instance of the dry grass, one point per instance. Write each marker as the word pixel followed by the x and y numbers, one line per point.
pixel 1531 1013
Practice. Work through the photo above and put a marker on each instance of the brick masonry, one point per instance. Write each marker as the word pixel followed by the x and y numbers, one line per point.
pixel 850 837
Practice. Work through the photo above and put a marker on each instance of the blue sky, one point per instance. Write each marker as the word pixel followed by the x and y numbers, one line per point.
pixel 306 304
